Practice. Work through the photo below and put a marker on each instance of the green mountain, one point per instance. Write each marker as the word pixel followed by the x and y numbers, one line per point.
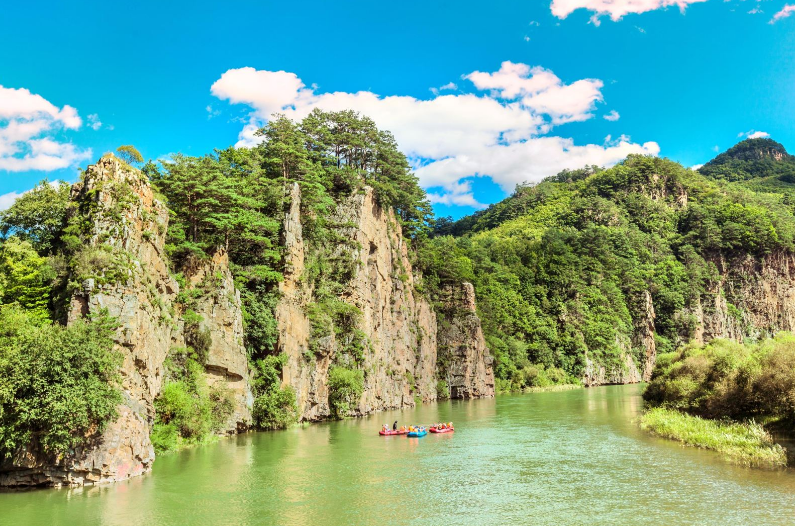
pixel 752 159
pixel 592 272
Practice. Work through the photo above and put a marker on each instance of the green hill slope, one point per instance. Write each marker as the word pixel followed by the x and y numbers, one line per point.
pixel 589 267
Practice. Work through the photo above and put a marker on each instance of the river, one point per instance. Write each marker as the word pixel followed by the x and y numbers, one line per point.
pixel 559 458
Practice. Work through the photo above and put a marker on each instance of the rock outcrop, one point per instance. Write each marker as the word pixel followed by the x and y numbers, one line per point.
pixel 221 311
pixel 399 325
pixel 123 270
pixel 754 298
pixel 462 348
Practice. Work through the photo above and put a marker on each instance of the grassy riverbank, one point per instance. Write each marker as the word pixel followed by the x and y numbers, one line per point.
pixel 747 444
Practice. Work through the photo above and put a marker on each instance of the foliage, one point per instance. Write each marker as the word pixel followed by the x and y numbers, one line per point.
pixel 274 406
pixel 728 379
pixel 38 216
pixel 562 269
pixel 345 388
pixel 58 385
pixel 25 278
pixel 129 154
pixel 743 443
pixel 188 411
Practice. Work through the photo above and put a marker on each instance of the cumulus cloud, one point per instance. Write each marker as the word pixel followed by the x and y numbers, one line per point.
pixel 785 12
pixel 696 167
pixel 28 127
pixel 615 9
pixel 500 131
pixel 612 116
pixel 541 91
pixel 753 134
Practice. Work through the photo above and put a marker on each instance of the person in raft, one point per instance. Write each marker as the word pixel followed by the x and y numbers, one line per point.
pixel 394 426
pixel 384 428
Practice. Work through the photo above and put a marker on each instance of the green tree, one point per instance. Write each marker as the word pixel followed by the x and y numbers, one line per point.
pixel 129 154
pixel 38 216
pixel 58 385
pixel 25 277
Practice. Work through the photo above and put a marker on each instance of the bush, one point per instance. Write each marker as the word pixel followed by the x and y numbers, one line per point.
pixel 345 387
pixel 442 390
pixel 58 385
pixel 188 411
pixel 274 406
pixel 727 379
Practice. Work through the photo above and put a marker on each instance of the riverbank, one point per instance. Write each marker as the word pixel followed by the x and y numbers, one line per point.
pixel 747 444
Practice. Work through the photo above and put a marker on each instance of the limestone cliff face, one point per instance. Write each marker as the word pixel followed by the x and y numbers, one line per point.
pixel 754 298
pixel 400 326
pixel 467 363
pixel 130 279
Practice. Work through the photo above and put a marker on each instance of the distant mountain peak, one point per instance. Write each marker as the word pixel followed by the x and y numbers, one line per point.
pixel 751 159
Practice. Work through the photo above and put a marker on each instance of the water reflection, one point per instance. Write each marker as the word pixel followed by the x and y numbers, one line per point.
pixel 572 457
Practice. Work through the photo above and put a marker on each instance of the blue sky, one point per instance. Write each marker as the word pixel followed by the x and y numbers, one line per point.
pixel 481 95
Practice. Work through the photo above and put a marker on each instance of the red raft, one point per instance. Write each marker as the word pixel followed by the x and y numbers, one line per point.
pixel 442 430
pixel 389 432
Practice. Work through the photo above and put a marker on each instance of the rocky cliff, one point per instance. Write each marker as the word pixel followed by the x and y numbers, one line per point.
pixel 752 299
pixel 406 350
pixel 400 327
pixel 122 269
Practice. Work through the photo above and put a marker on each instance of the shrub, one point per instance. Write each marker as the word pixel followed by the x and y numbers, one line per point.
pixel 345 387
pixel 188 411
pixel 274 406
pixel 58 385
pixel 442 390
pixel 727 379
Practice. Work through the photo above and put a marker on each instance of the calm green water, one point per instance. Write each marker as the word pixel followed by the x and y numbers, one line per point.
pixel 566 458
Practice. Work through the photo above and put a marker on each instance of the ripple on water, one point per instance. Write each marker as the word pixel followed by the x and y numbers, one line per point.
pixel 564 458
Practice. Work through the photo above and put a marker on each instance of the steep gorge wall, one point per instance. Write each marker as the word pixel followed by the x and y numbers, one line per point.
pixel 400 363
pixel 127 228
pixel 754 298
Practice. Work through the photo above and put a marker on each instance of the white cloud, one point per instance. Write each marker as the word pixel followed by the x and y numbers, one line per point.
pixel 753 134
pixel 612 116
pixel 28 124
pixel 448 86
pixel 755 11
pixel 785 12
pixel 615 9
pixel 6 200
pixel 93 121
pixel 500 131
pixel 696 167
pixel 542 91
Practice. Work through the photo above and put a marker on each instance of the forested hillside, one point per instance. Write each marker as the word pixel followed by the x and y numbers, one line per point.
pixel 592 265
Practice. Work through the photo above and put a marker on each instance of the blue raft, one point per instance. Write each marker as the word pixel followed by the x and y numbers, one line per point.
pixel 421 432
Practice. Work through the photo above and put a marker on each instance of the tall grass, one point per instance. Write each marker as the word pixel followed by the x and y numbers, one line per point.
pixel 743 443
